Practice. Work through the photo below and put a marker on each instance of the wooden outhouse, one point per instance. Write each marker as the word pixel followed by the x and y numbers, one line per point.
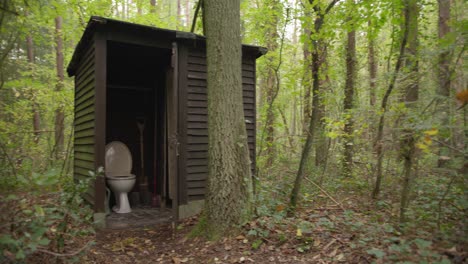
pixel 128 73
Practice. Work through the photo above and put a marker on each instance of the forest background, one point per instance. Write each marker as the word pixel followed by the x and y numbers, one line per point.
pixel 360 107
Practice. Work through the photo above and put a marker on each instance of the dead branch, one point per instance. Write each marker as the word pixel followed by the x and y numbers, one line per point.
pixel 324 192
pixel 71 254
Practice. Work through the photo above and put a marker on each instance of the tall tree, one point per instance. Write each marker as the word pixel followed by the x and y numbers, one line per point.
pixel 384 104
pixel 228 201
pixel 59 114
pixel 349 94
pixel 307 78
pixel 187 13
pixel 35 107
pixel 320 15
pixel 411 94
pixel 271 84
pixel 372 62
pixel 444 74
pixel 179 14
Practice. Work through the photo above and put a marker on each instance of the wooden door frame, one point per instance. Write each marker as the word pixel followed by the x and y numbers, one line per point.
pixel 100 99
pixel 172 107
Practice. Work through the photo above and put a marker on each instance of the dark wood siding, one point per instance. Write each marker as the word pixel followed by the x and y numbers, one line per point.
pixel 85 119
pixel 196 152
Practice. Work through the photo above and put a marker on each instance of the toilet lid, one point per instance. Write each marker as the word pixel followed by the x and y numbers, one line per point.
pixel 118 159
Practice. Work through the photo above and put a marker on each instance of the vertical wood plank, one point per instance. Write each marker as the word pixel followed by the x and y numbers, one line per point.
pixel 182 122
pixel 100 118
pixel 173 137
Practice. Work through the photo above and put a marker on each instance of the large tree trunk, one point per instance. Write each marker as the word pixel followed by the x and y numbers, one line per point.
pixel 59 114
pixel 35 108
pixel 349 99
pixel 411 87
pixel 228 201
pixel 444 79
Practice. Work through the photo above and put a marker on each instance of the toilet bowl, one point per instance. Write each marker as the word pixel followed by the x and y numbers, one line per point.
pixel 118 176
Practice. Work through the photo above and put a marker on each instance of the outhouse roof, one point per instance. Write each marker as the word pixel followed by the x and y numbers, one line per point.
pixel 150 31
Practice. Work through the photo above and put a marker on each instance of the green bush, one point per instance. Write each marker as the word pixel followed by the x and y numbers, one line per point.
pixel 35 222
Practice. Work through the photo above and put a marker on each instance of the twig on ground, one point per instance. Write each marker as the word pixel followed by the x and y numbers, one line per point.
pixel 42 250
pixel 324 192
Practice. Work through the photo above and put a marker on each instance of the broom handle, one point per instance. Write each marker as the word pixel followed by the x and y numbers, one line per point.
pixel 143 182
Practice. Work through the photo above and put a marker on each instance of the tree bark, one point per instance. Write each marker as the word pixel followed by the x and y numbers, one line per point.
pixel 307 78
pixel 372 65
pixel 322 145
pixel 228 201
pixel 187 13
pixel 306 82
pixel 36 121
pixel 59 114
pixel 179 14
pixel 348 103
pixel 444 77
pixel 35 106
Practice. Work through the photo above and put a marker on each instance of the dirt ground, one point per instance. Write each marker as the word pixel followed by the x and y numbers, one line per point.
pixel 161 244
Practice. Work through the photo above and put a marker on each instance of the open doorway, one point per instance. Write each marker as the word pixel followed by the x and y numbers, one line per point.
pixel 136 116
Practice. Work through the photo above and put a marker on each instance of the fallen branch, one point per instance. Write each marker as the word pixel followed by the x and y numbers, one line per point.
pixel 64 254
pixel 324 192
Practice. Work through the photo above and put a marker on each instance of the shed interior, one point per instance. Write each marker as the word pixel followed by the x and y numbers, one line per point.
pixel 136 93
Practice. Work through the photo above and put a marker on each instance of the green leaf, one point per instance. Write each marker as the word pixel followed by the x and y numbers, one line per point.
pixel 421 243
pixel 257 243
pixel 376 252
pixel 39 210
pixel 252 232
pixel 8 240
pixel 44 241
pixel 20 254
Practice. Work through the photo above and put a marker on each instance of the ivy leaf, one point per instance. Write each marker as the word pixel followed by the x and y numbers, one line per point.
pixel 6 239
pixel 422 244
pixel 376 252
pixel 20 254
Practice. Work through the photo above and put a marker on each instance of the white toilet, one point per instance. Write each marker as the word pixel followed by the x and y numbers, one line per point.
pixel 118 174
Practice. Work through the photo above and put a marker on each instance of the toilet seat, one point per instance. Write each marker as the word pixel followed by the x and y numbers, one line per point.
pixel 115 177
pixel 118 160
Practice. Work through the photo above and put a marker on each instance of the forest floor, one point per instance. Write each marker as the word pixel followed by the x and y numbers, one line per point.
pixel 324 234
pixel 161 244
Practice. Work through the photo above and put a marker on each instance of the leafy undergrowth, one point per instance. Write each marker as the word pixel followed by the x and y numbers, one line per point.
pixel 37 226
pixel 40 228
